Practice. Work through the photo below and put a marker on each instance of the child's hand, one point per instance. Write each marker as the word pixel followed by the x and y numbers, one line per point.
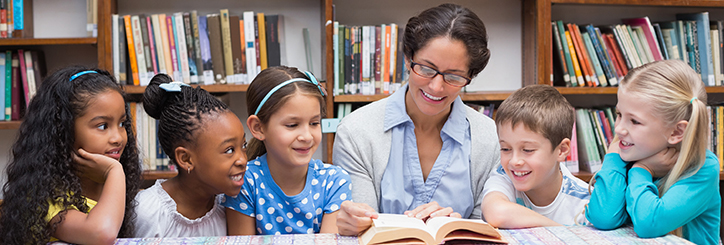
pixel 354 218
pixel 613 147
pixel 660 163
pixel 94 166
pixel 430 210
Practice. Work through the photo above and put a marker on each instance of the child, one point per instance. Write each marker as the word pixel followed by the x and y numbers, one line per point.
pixel 533 187
pixel 659 171
pixel 286 191
pixel 75 164
pixel 206 141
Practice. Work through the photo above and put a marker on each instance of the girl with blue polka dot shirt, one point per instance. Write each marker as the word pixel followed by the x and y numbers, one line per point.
pixel 286 191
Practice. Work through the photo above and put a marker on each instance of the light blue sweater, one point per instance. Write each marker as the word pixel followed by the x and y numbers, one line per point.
pixel 692 203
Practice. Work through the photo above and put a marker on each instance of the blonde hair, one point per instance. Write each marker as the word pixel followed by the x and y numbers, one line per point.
pixel 676 93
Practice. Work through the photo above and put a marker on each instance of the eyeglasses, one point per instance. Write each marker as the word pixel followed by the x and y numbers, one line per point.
pixel 429 72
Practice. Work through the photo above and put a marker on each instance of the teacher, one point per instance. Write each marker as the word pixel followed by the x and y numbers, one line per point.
pixel 421 151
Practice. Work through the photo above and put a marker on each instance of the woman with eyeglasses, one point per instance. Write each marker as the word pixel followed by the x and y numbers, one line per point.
pixel 422 152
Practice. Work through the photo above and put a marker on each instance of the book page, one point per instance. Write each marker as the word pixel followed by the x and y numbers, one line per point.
pixel 399 220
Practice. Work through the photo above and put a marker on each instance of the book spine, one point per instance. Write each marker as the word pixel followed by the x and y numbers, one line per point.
pixel 393 57
pixel 601 54
pixel 3 19
pixel 341 58
pixel 559 51
pixel 2 86
pixel 205 51
pixel 18 18
pixel 258 48
pixel 261 26
pixel 335 54
pixel 197 45
pixel 574 60
pixel 146 49
pixel 190 50
pixel 163 26
pixel 114 47
pixel 30 77
pixel 159 45
pixel 567 54
pixel 152 45
pixel 175 72
pixel 138 47
pixel 8 85
pixel 131 50
pixel 215 43
pixel 235 42
pixel 183 56
pixel 581 55
pixel 17 88
pixel 365 62
pixel 600 75
pixel 24 76
pixel 273 43
pixel 379 46
pixel 251 67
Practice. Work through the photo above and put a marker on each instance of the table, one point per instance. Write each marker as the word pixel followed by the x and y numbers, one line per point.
pixel 540 235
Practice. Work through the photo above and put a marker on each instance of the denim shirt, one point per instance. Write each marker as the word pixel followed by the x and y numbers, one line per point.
pixel 448 183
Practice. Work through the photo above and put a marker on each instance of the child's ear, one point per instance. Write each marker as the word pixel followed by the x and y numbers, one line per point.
pixel 678 134
pixel 564 148
pixel 183 158
pixel 254 124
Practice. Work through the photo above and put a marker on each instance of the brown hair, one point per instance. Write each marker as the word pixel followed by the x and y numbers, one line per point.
pixel 540 108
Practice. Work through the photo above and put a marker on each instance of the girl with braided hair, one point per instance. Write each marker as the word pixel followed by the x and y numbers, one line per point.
pixel 75 169
pixel 209 162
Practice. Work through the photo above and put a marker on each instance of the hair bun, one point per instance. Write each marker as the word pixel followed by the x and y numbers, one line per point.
pixel 154 98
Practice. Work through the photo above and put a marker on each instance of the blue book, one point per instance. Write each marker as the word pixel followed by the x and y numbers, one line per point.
pixel 2 86
pixel 602 55
pixel 8 84
pixel 704 44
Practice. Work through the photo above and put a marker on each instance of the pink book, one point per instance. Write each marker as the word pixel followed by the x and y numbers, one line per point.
pixel 24 77
pixel 151 41
pixel 645 24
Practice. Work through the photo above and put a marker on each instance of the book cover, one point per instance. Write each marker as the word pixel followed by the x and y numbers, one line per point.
pixel 198 62
pixel 8 85
pixel 251 65
pixel 567 54
pixel 602 54
pixel 139 48
pixel 610 46
pixel 237 62
pixel 226 46
pixel 704 43
pixel 133 63
pixel 175 72
pixel 617 38
pixel 647 50
pixel 160 55
pixel 633 55
pixel 397 228
pixel 205 51
pixel 261 27
pixel 190 49
pixel 273 43
pixel 164 28
pixel 588 158
pixel 574 60
pixel 217 53
pixel 29 77
pixel 581 55
pixel 600 75
pixel 181 46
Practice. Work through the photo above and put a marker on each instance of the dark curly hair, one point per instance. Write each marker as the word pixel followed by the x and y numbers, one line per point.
pixel 42 169
pixel 264 82
pixel 178 113
pixel 453 21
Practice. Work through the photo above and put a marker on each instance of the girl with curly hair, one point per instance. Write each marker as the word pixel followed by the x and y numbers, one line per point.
pixel 75 169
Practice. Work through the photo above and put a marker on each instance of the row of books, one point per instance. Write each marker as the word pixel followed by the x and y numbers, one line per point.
pixel 368 59
pixel 716 139
pixel 592 133
pixel 11 18
pixel 207 49
pixel 21 72
pixel 602 55
pixel 151 154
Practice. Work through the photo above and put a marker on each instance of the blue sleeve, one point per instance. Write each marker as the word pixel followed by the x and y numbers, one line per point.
pixel 338 189
pixel 607 208
pixel 244 201
pixel 654 216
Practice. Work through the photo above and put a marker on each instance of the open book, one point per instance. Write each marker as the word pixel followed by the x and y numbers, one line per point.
pixel 396 228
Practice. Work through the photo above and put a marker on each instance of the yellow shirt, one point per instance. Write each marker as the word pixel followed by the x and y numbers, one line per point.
pixel 54 209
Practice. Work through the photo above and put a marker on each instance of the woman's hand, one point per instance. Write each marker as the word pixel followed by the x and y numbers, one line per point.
pixel 660 163
pixel 430 210
pixel 354 218
pixel 94 166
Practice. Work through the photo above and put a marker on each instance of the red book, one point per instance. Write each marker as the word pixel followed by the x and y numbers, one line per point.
pixel 606 126
pixel 616 63
pixel 618 53
pixel 582 54
pixel 3 22
pixel 24 76
pixel 17 94
pixel 151 42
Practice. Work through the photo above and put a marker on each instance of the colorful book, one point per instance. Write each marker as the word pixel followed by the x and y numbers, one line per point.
pixel 175 72
pixel 261 27
pixel 146 47
pixel 131 50
pixel 567 54
pixel 183 55
pixel 164 29
pixel 558 52
pixel 198 62
pixel 8 85
pixel 158 47
pixel 205 51
pixel 704 43
pixel 190 50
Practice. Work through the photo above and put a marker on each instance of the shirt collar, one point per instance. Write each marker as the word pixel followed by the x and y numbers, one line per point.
pixel 396 114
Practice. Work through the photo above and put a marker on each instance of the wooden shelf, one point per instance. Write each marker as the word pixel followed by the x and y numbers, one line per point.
pixel 216 88
pixel 47 41
pixel 673 3
pixel 10 124
pixel 156 174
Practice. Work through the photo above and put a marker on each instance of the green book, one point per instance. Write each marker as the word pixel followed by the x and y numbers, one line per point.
pixel 8 84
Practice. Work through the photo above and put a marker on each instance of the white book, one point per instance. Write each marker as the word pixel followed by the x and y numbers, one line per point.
pixel 163 26
pixel 383 62
pixel 393 56
pixel 183 56
pixel 152 156
pixel 158 37
pixel 335 48
pixel 251 68
pixel 365 55
pixel 30 74
pixel 138 46
pixel 114 46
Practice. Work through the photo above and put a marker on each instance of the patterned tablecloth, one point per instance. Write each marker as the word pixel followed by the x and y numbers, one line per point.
pixel 541 235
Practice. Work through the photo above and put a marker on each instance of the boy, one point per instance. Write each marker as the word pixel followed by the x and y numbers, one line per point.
pixel 532 187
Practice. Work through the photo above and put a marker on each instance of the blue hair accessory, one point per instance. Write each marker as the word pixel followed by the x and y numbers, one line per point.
pixel 81 74
pixel 311 79
pixel 692 100
pixel 173 86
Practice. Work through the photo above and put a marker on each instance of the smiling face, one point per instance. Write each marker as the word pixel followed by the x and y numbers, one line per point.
pixel 219 154
pixel 99 129
pixel 641 133
pixel 293 132
pixel 433 96
pixel 530 160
